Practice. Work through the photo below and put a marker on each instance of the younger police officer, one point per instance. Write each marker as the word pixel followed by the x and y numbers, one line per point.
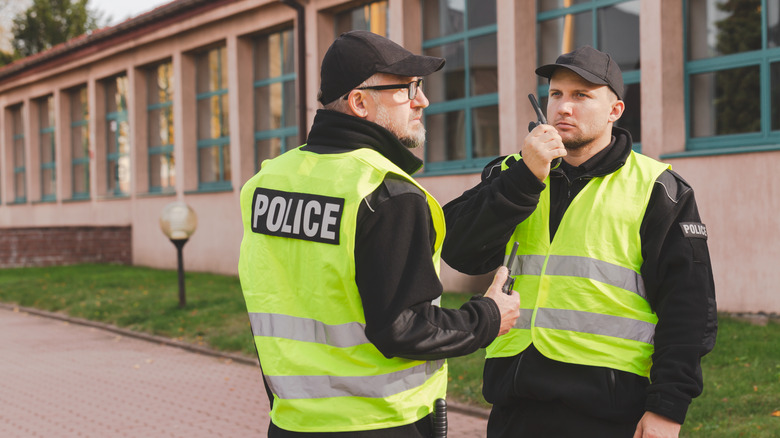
pixel 340 259
pixel 618 301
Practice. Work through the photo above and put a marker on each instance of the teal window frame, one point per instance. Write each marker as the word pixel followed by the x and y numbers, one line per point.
pixel 285 131
pixel 79 123
pixel 466 104
pixel 220 142
pixel 47 165
pixel 154 151
pixel 764 140
pixel 631 77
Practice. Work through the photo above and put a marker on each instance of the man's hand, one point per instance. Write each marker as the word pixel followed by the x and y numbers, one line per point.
pixel 540 147
pixel 508 305
pixel 653 425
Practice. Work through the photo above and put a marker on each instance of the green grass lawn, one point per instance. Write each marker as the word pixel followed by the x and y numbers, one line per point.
pixel 742 375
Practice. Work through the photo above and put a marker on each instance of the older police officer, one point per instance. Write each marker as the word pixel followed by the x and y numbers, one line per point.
pixel 340 259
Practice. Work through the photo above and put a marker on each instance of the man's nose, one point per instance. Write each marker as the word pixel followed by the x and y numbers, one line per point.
pixel 420 101
pixel 565 107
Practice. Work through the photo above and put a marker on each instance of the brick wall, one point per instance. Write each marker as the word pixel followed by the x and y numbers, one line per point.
pixel 49 246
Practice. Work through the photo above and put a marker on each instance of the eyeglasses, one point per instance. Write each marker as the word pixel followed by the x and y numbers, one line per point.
pixel 412 88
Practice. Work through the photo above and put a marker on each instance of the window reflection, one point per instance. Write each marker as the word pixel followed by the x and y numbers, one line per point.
pixel 485 131
pixel 618 33
pixel 118 136
pixel 462 120
pixel 773 24
pixel 449 83
pixel 20 185
pixel 725 102
pixel 79 138
pixel 718 28
pixel 162 173
pixel 443 17
pixel 549 5
pixel 449 143
pixel 276 115
pixel 371 17
pixel 774 79
pixel 213 119
pixel 47 147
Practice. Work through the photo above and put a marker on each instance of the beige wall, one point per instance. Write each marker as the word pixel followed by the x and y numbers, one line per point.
pixel 739 197
pixel 742 223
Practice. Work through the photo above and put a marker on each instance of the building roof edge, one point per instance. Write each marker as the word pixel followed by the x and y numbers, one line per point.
pixel 90 38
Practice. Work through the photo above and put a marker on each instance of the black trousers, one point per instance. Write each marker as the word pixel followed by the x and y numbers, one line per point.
pixel 550 419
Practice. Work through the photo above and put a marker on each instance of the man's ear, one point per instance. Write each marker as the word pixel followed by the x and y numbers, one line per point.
pixel 617 110
pixel 357 103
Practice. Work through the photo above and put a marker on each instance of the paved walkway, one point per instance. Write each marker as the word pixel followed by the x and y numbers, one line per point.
pixel 59 379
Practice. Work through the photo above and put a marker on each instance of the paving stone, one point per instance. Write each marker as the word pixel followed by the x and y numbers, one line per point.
pixel 59 379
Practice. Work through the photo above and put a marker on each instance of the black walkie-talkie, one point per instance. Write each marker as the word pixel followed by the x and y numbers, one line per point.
pixel 510 281
pixel 541 120
pixel 440 418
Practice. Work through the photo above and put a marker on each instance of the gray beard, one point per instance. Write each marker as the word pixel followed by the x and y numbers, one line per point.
pixel 410 142
pixel 413 142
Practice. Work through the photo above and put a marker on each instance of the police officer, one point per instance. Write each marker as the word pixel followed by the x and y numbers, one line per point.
pixel 340 259
pixel 617 295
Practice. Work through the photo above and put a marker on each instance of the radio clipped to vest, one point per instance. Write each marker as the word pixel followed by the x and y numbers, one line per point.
pixel 510 281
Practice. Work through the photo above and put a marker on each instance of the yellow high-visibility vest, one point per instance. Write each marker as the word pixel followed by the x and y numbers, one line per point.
pixel 582 296
pixel 297 272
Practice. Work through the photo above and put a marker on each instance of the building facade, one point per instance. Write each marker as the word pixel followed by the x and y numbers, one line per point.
pixel 184 102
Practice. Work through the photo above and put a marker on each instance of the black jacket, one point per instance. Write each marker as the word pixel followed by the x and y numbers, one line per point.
pixel 395 274
pixel 676 272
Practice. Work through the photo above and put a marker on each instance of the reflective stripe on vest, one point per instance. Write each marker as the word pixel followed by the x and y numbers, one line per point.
pixel 307 330
pixel 312 387
pixel 569 286
pixel 304 307
pixel 574 266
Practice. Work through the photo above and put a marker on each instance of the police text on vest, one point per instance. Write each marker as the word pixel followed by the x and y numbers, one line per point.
pixel 297 215
pixel 694 230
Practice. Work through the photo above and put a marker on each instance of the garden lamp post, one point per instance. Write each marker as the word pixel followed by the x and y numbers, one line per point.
pixel 178 221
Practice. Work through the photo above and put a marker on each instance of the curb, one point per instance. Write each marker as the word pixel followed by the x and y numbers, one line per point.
pixel 474 411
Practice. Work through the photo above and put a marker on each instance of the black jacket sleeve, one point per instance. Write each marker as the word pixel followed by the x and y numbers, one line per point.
pixel 681 290
pixel 397 282
pixel 481 220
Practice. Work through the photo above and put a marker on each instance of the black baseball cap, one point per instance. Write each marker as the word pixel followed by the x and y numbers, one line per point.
pixel 592 65
pixel 357 55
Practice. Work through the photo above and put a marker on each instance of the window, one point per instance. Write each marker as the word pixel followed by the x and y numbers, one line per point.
pixel 732 74
pixel 17 126
pixel 79 142
pixel 371 17
pixel 462 119
pixel 47 152
pixel 276 124
pixel 213 126
pixel 118 136
pixel 611 26
pixel 162 176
